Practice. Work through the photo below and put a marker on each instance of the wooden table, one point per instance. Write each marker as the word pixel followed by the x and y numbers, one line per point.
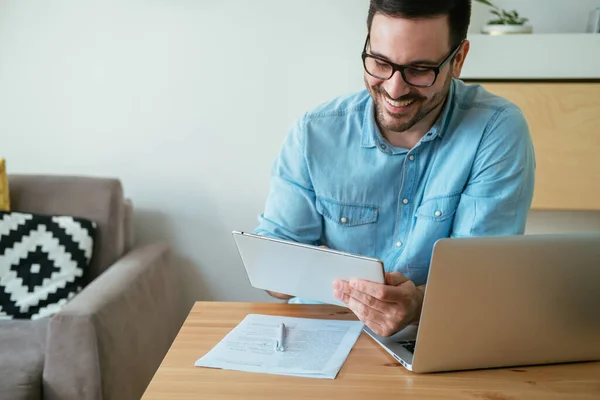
pixel 368 373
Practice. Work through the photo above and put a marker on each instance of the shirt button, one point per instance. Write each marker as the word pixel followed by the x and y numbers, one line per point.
pixel 438 213
pixel 382 146
pixel 405 201
pixel 343 220
pixel 398 244
pixel 411 157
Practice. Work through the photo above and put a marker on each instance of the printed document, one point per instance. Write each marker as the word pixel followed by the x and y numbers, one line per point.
pixel 314 348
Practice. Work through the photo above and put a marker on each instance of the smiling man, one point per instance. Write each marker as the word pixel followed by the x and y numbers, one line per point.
pixel 417 156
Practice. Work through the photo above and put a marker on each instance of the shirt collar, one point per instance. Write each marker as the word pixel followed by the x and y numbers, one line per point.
pixel 439 127
pixel 370 132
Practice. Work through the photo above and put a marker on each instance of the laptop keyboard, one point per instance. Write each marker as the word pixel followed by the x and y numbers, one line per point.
pixel 408 345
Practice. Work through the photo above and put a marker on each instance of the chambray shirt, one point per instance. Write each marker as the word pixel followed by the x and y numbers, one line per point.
pixel 338 182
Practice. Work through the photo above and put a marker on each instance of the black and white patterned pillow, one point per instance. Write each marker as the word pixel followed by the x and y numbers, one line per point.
pixel 43 260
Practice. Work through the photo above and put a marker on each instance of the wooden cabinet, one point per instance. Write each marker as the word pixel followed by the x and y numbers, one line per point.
pixel 564 120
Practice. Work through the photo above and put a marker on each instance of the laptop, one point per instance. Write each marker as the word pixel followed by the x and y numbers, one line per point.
pixel 505 301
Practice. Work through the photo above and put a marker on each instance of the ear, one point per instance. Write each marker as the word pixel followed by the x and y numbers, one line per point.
pixel 459 59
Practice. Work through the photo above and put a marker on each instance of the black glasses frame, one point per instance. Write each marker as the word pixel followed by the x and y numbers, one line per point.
pixel 402 68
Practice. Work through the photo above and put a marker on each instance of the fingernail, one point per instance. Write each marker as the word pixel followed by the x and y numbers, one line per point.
pixel 353 283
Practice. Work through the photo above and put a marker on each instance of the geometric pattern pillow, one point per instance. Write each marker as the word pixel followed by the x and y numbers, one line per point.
pixel 43 260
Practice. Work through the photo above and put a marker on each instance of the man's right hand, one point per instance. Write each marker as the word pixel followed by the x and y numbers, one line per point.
pixel 279 295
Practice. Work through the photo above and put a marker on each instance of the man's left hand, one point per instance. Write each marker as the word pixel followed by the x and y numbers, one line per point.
pixel 386 309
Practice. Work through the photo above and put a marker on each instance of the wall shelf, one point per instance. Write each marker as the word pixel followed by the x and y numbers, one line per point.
pixel 547 56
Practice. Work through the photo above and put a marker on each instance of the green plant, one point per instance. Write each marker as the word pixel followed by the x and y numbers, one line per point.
pixel 504 17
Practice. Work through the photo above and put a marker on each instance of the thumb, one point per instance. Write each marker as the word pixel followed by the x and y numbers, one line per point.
pixel 395 278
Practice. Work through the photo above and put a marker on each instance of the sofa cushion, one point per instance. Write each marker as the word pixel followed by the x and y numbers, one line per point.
pixel 43 260
pixel 22 345
pixel 97 199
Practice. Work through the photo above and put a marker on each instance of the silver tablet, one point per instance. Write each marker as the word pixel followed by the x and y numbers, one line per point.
pixel 302 270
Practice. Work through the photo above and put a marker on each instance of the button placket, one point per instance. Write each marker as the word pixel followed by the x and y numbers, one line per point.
pixel 405 194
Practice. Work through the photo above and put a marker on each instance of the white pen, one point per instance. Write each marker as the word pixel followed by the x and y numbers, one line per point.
pixel 280 331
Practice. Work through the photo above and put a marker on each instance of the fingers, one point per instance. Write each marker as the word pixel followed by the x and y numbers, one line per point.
pixel 362 305
pixel 280 296
pixel 371 317
pixel 395 278
pixel 367 307
pixel 378 321
pixel 365 299
pixel 396 290
pixel 384 308
pixel 385 293
pixel 377 327
pixel 365 312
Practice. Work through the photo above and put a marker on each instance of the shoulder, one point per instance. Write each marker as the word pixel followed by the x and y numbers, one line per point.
pixel 476 105
pixel 477 97
pixel 332 125
pixel 324 125
pixel 341 106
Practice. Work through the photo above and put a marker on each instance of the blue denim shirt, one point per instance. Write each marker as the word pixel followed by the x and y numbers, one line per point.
pixel 338 182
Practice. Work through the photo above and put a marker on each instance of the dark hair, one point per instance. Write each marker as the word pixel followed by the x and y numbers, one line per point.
pixel 458 11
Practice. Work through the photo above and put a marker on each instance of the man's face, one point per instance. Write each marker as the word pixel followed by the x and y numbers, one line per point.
pixel 420 42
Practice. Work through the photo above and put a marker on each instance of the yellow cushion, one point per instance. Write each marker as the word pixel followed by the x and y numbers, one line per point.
pixel 4 198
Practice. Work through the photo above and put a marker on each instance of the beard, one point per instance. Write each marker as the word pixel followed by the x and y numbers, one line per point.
pixel 420 108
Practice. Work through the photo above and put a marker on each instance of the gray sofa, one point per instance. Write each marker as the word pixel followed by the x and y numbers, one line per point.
pixel 109 340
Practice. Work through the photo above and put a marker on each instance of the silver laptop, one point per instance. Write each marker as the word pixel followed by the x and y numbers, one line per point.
pixel 506 301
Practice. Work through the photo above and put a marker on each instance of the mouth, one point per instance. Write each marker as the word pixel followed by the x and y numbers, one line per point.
pixel 395 106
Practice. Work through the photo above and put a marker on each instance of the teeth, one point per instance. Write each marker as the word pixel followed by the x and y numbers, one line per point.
pixel 399 103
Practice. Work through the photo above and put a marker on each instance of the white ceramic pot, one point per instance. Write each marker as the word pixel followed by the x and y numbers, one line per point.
pixel 506 29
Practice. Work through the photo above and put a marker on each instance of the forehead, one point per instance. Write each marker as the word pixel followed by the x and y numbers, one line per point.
pixel 404 40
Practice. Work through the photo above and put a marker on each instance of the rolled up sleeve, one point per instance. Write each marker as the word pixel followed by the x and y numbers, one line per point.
pixel 290 212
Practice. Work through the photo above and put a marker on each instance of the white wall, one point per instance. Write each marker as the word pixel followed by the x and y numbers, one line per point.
pixel 186 101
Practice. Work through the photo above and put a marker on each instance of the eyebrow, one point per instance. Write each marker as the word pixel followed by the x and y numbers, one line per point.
pixel 417 62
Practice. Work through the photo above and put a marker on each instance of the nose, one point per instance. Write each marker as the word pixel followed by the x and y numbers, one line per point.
pixel 395 86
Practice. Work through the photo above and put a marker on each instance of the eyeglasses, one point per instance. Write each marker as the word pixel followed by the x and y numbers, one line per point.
pixel 414 75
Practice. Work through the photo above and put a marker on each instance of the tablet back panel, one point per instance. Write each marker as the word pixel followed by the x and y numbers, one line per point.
pixel 301 270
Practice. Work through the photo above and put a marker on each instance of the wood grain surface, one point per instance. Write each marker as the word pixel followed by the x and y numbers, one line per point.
pixel 564 120
pixel 368 373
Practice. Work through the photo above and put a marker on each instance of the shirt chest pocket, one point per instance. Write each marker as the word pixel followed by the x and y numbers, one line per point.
pixel 433 220
pixel 438 209
pixel 347 214
pixel 348 226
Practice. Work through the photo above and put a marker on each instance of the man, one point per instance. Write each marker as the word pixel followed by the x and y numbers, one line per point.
pixel 416 157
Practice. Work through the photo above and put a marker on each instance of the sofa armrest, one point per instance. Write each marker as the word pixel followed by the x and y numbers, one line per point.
pixel 109 340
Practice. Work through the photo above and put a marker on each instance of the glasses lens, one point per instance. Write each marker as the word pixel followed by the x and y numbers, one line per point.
pixel 419 76
pixel 378 68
